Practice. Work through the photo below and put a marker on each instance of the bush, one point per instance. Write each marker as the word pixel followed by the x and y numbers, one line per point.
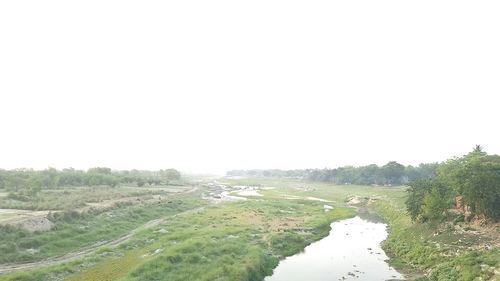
pixel 434 206
pixel 288 243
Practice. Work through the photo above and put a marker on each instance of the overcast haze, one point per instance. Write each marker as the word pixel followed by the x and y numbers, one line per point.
pixel 207 86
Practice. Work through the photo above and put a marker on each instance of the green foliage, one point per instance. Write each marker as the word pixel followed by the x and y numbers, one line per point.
pixel 99 170
pixel 435 203
pixel 416 194
pixel 140 182
pixel 475 176
pixel 27 183
pixel 428 200
pixel 392 173
pixel 172 174
pixel 480 184
pixel 466 267
pixel 288 243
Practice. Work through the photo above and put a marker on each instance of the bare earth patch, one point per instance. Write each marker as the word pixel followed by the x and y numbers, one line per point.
pixel 487 234
pixel 26 219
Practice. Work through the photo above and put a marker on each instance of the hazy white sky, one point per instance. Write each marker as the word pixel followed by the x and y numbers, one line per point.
pixel 216 85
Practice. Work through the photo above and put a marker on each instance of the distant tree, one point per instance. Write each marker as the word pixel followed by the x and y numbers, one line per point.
pixel 478 149
pixel 100 170
pixel 393 172
pixel 140 182
pixel 370 175
pixel 50 178
pixel 3 178
pixel 93 179
pixel 172 174
pixel 28 181
pixel 109 180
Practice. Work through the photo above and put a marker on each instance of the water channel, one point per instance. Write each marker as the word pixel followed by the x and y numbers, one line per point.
pixel 350 252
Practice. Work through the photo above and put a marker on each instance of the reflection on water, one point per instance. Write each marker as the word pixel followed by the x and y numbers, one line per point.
pixel 350 252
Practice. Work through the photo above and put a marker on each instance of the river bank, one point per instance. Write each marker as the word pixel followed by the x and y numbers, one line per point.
pixel 351 251
pixel 416 248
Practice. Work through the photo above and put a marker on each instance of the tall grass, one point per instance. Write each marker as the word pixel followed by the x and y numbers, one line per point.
pixel 221 242
pixel 74 230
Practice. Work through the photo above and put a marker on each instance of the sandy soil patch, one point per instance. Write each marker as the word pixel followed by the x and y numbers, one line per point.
pixel 359 200
pixel 356 200
pixel 26 219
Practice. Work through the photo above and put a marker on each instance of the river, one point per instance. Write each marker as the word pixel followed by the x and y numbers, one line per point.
pixel 350 252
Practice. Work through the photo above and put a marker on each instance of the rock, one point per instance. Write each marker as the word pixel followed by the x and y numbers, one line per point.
pixel 32 251
pixel 163 231
pixel 354 200
pixel 35 224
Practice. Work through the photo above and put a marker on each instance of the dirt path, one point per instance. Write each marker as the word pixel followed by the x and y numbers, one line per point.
pixel 6 268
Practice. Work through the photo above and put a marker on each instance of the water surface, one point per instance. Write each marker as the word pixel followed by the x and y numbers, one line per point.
pixel 350 252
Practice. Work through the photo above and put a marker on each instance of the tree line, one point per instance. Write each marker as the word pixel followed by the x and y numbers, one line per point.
pixel 392 173
pixel 470 183
pixel 32 181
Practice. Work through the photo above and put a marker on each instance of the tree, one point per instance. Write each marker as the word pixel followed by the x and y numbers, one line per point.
pixel 475 177
pixel 369 175
pixel 393 172
pixel 100 170
pixel 436 201
pixel 140 182
pixel 33 185
pixel 3 178
pixel 480 184
pixel 416 194
pixel 172 174
pixel 478 149
pixel 428 200
pixel 50 178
